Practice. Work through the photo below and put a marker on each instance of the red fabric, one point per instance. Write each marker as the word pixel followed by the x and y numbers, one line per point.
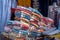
pixel 25 26
pixel 36 22
pixel 44 20
pixel 13 10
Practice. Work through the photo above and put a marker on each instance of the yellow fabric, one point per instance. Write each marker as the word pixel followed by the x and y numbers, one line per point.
pixel 26 3
pixel 57 36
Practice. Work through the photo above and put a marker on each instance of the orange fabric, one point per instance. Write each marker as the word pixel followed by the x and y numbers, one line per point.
pixel 41 30
pixel 26 3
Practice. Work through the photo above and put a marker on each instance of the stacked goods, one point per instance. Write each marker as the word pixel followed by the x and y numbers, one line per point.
pixel 24 18
pixel 48 22
pixel 29 21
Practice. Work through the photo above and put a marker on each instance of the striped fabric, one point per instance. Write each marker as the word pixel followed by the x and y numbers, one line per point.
pixel 33 17
pixel 31 20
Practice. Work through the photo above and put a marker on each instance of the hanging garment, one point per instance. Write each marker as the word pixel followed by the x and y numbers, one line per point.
pixel 4 13
pixel 1 8
pixel 13 3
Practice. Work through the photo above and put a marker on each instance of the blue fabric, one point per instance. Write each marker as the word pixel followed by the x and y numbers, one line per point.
pixel 13 4
pixel 59 25
pixel 1 11
pixel 45 28
pixel 24 32
pixel 34 10
pixel 49 31
pixel 18 14
pixel 34 34
pixel 54 32
pixel 27 17
pixel 15 30
pixel 46 39
pixel 4 13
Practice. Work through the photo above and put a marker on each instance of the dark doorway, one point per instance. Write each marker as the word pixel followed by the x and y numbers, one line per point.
pixel 43 6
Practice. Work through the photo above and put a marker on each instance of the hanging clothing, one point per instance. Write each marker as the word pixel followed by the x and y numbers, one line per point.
pixel 1 8
pixel 4 13
pixel 13 3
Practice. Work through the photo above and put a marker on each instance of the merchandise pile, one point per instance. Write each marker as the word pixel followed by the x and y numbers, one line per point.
pixel 29 21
